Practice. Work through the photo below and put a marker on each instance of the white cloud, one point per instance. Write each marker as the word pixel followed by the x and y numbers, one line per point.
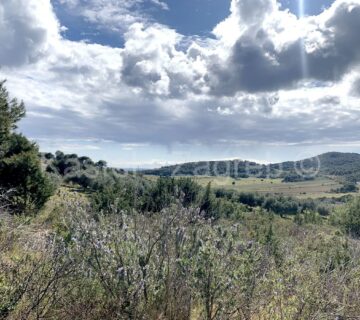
pixel 116 15
pixel 163 87
pixel 154 64
pixel 27 31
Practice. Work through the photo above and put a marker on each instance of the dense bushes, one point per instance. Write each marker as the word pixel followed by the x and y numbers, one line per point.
pixel 176 265
pixel 141 194
pixel 348 217
pixel 135 192
pixel 348 187
pixel 293 177
pixel 277 204
pixel 114 193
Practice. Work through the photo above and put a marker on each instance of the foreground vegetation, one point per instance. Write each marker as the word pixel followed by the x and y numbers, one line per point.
pixel 73 262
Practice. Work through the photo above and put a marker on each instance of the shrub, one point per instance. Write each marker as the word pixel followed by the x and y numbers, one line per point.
pixel 351 218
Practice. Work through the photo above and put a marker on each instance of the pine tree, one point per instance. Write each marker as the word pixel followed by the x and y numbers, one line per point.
pixel 20 167
pixel 10 113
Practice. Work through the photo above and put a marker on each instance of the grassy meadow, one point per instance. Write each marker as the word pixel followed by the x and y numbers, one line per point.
pixel 319 188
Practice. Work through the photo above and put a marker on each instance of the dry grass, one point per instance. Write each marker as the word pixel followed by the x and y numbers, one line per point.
pixel 318 188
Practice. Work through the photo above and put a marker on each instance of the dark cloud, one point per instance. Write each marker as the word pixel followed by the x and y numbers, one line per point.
pixel 255 65
pixel 130 122
pixel 329 100
pixel 355 88
pixel 341 51
pixel 134 73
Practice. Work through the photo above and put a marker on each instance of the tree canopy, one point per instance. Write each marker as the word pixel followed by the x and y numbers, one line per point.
pixel 20 167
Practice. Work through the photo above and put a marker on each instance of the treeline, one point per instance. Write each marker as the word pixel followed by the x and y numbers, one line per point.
pixel 280 204
pixel 79 170
pixel 235 169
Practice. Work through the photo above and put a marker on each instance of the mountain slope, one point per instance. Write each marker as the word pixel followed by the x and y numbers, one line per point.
pixel 344 165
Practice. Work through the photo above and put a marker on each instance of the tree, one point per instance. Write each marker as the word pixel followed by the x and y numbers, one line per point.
pixel 188 191
pixel 20 167
pixel 101 164
pixel 10 113
pixel 49 156
pixel 351 218
pixel 208 204
pixel 65 164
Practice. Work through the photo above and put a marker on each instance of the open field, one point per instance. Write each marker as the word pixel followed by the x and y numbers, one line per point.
pixel 318 188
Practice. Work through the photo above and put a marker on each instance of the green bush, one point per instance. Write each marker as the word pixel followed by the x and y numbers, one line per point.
pixel 351 218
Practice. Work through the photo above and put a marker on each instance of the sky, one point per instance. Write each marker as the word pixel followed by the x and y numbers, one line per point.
pixel 144 83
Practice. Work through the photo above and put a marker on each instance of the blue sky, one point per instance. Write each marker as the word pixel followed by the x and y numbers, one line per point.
pixel 143 83
pixel 188 17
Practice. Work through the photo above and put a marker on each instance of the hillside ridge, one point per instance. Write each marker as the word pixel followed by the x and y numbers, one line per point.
pixel 346 165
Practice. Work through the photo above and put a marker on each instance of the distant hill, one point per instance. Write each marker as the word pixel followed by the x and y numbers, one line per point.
pixel 344 165
pixel 233 168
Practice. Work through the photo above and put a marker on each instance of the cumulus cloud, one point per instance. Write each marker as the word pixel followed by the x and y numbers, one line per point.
pixel 264 52
pixel 326 50
pixel 27 30
pixel 246 85
pixel 153 63
pixel 253 12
